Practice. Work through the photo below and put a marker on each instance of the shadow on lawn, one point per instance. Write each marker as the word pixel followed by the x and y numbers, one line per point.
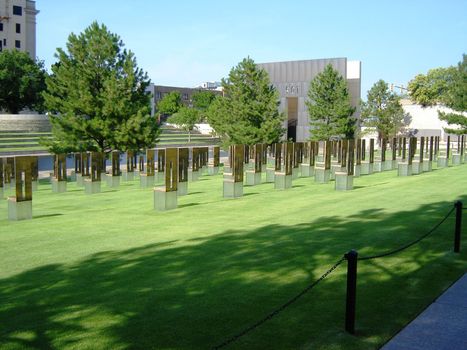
pixel 194 296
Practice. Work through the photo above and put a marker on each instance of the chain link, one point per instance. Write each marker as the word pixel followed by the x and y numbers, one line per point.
pixel 411 243
pixel 279 309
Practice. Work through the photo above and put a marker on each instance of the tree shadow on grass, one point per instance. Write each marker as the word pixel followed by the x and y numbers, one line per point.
pixel 194 294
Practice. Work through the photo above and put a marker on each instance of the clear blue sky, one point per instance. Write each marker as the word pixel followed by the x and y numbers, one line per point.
pixel 186 42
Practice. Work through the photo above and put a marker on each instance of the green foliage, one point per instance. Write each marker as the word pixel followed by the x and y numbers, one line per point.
pixel 186 118
pixel 202 99
pixel 432 88
pixel 248 112
pixel 98 94
pixel 22 81
pixel 446 86
pixel 170 103
pixel 329 106
pixel 457 100
pixel 383 111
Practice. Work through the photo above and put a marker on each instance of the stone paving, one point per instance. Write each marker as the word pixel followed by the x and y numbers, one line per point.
pixel 442 326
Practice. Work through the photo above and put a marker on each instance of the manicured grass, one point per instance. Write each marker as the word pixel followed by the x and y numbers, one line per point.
pixel 106 271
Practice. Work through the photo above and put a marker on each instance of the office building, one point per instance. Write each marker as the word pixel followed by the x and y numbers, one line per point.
pixel 18 26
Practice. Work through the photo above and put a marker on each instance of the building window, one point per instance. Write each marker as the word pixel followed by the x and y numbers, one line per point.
pixel 1 46
pixel 17 10
pixel 185 97
pixel 158 95
pixel 4 42
pixel 18 44
pixel 1 27
pixel 18 28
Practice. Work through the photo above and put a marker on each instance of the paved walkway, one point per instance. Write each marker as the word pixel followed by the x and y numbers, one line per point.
pixel 442 326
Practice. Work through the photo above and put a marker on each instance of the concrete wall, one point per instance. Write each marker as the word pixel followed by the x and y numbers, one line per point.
pixel 24 122
pixel 425 120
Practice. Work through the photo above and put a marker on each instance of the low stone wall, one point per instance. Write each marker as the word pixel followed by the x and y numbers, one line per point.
pixel 25 122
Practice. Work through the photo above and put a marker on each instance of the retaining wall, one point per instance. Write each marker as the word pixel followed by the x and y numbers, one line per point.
pixel 25 122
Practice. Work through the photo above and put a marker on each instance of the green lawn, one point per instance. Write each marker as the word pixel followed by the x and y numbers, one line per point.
pixel 108 272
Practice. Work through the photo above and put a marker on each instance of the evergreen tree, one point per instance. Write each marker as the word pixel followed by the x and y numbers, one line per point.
pixel 21 82
pixel 248 111
pixel 202 99
pixel 170 103
pixel 98 95
pixel 457 100
pixel 383 111
pixel 329 108
pixel 186 118
pixel 445 86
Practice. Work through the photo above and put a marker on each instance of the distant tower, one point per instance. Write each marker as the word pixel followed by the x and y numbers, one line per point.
pixel 18 26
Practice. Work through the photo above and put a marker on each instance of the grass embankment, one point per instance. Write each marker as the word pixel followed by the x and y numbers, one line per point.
pixel 108 272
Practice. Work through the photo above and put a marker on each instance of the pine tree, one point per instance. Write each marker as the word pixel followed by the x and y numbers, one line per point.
pixel 248 112
pixel 186 118
pixel 329 108
pixel 383 111
pixel 97 94
pixel 457 100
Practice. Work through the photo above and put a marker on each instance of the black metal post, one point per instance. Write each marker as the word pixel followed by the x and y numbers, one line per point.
pixel 457 230
pixel 351 257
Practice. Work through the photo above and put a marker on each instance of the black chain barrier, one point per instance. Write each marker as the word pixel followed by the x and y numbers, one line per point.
pixel 279 309
pixel 408 245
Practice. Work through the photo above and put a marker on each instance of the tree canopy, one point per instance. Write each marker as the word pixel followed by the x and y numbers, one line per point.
pixel 97 95
pixel 170 103
pixel 383 111
pixel 248 112
pixel 186 118
pixel 202 99
pixel 22 81
pixel 457 100
pixel 329 108
pixel 432 88
pixel 445 86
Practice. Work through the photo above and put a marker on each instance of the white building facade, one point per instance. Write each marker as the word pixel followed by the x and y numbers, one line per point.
pixel 425 120
pixel 18 26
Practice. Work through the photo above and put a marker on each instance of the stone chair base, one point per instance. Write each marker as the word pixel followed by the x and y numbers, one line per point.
pixel 146 181
pixel 91 187
pixel 282 181
pixel 252 178
pixel 182 188
pixel 58 186
pixel 164 200
pixel 344 182
pixel 19 210
pixel 232 189
pixel 322 175
pixel 404 169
